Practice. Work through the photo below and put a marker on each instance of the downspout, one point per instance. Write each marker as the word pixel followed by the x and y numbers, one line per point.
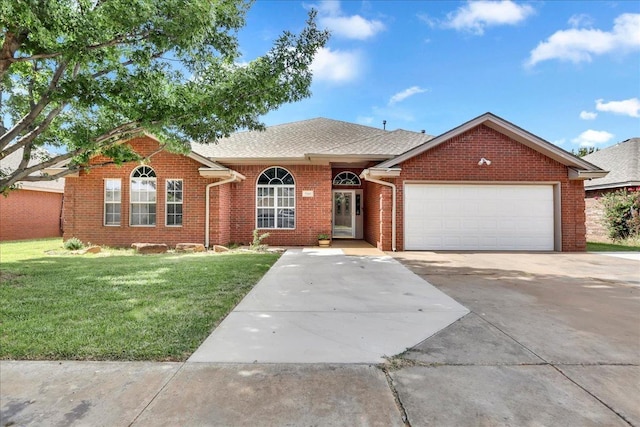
pixel 234 178
pixel 367 177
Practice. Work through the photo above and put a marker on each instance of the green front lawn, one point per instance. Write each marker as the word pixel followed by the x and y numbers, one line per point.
pixel 116 305
pixel 611 247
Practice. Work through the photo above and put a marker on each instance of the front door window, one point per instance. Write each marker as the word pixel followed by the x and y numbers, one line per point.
pixel 343 214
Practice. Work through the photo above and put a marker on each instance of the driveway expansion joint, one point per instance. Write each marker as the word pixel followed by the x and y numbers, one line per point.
pixel 396 396
pixel 602 402
pixel 155 396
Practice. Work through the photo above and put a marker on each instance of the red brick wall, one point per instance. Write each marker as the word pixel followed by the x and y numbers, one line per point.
pixel 313 214
pixel 27 214
pixel 377 202
pixel 457 160
pixel 84 202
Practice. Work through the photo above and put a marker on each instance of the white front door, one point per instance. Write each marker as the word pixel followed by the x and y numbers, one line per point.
pixel 344 214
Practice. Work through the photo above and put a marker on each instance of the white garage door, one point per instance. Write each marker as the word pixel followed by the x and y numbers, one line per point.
pixel 478 217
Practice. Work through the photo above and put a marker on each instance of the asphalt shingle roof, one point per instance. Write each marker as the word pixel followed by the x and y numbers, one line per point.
pixel 623 162
pixel 12 161
pixel 313 136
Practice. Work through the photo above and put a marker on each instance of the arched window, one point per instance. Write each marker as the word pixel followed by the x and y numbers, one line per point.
pixel 346 178
pixel 143 197
pixel 276 199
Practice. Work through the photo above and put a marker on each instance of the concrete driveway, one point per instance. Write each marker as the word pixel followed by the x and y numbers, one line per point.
pixel 552 339
pixel 323 306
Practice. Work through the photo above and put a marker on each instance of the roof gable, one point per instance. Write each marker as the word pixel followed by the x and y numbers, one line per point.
pixel 506 128
pixel 623 162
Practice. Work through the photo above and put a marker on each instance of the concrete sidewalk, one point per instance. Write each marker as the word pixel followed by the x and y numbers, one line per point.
pixel 322 306
pixel 124 394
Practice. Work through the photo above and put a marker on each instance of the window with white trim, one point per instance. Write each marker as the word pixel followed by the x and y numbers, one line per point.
pixel 143 197
pixel 276 199
pixel 112 201
pixel 346 178
pixel 174 202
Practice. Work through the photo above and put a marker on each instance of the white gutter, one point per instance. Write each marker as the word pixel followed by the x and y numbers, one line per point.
pixel 235 177
pixel 575 174
pixel 366 174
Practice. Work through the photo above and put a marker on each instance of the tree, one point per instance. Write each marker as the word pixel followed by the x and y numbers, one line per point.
pixel 583 151
pixel 82 75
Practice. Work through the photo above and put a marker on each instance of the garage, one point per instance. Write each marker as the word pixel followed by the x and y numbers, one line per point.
pixel 479 217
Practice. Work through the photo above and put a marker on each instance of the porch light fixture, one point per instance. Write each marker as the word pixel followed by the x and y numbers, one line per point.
pixel 484 161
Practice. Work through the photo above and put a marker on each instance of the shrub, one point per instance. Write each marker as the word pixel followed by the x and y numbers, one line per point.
pixel 256 244
pixel 621 214
pixel 73 244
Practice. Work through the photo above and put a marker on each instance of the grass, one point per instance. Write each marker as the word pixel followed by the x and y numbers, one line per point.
pixel 116 305
pixel 613 247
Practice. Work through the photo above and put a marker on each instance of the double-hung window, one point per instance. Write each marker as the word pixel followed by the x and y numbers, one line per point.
pixel 276 199
pixel 143 197
pixel 112 201
pixel 174 202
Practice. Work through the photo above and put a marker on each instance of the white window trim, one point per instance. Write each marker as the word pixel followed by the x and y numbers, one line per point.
pixel 167 203
pixel 275 201
pixel 104 206
pixel 131 202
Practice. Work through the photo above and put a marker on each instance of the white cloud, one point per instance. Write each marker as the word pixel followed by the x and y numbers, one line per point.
pixel 475 16
pixel 591 138
pixel 628 107
pixel 581 44
pixel 351 27
pixel 401 96
pixel 432 22
pixel 588 115
pixel 335 65
pixel 580 20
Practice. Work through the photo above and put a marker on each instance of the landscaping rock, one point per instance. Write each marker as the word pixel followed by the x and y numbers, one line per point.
pixel 219 248
pixel 92 250
pixel 150 248
pixel 190 247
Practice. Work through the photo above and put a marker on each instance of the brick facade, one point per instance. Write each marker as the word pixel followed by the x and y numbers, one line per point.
pixel 233 206
pixel 84 201
pixel 313 214
pixel 29 214
pixel 457 160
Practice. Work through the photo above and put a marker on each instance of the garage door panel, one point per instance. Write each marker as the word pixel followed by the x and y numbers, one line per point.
pixel 479 217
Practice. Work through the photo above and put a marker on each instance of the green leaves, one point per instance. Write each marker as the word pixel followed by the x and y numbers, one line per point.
pixel 167 66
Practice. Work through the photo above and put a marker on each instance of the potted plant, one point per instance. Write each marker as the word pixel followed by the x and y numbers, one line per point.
pixel 324 240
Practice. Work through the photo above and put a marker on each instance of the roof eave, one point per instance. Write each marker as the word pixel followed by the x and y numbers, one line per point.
pixel 612 185
pixel 56 170
pixel 494 122
pixel 577 174
pixel 381 172
pixel 347 158
pixel 24 186
pixel 220 173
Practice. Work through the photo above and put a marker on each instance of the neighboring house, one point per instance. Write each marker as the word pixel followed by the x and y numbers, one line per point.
pixel 34 210
pixel 485 185
pixel 623 162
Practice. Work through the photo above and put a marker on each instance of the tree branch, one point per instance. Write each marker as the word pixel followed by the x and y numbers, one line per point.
pixel 28 120
pixel 121 39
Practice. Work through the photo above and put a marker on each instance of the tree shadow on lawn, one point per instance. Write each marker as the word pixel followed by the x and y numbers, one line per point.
pixel 158 307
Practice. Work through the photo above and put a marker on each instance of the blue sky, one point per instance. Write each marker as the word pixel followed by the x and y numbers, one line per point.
pixel 568 72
